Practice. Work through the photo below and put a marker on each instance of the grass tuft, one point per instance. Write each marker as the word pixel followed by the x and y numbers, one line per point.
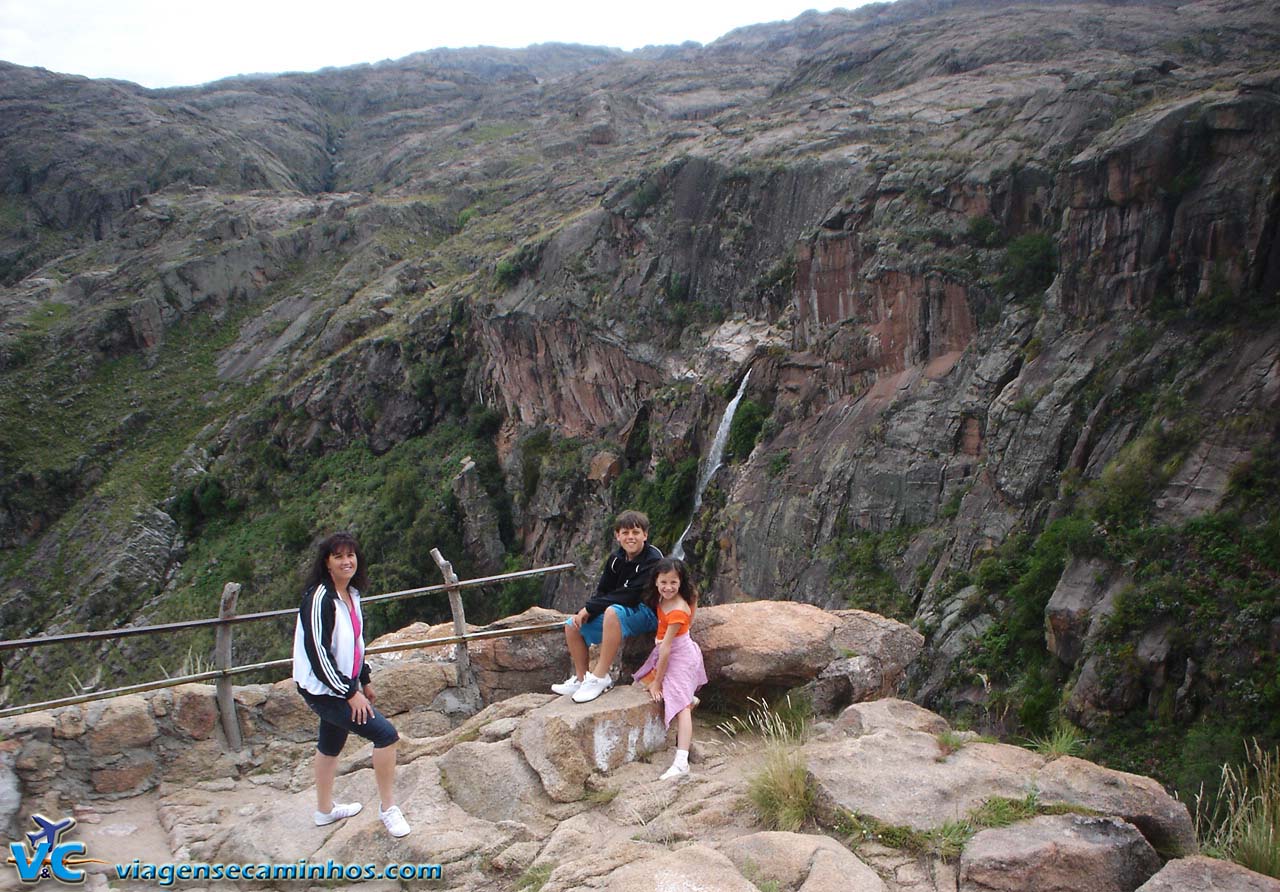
pixel 533 879
pixel 1242 822
pixel 1064 740
pixel 782 792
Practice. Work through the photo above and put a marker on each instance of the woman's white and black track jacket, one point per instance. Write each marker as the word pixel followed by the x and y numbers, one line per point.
pixel 323 641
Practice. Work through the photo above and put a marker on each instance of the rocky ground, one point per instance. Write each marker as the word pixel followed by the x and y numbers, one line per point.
pixel 481 811
pixel 535 791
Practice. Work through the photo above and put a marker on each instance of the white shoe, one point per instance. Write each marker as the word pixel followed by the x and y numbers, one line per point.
pixel 394 820
pixel 567 687
pixel 340 810
pixel 674 771
pixel 592 688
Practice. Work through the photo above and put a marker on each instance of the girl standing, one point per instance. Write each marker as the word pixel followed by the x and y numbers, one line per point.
pixel 333 678
pixel 674 670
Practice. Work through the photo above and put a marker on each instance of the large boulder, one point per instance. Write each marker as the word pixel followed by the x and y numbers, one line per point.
pixel 522 664
pixel 801 861
pixel 1058 853
pixel 859 763
pixel 845 656
pixel 490 780
pixel 863 773
pixel 1200 874
pixel 692 867
pixel 876 653
pixel 566 742
pixel 1141 801
pixel 779 643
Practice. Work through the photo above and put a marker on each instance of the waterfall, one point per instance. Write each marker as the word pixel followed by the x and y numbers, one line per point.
pixel 712 464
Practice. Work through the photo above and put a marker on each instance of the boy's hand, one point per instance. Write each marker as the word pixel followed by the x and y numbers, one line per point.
pixel 580 617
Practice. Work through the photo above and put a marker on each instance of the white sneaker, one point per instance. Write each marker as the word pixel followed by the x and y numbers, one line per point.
pixel 394 820
pixel 675 771
pixel 340 810
pixel 569 686
pixel 592 688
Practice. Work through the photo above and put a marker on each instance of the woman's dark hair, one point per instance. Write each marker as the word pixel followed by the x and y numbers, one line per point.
pixel 333 544
pixel 688 590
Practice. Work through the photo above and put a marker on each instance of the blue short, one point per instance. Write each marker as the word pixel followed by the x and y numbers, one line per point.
pixel 634 621
pixel 336 724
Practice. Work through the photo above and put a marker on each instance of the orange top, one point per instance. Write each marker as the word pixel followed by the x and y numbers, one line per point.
pixel 674 618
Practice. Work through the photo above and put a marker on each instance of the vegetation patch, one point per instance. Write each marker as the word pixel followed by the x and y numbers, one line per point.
pixel 863 569
pixel 667 498
pixel 1029 265
pixel 745 429
pixel 1064 740
pixel 1240 820
pixel 782 792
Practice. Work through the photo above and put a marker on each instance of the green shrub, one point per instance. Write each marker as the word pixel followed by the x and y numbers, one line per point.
pixel 517 595
pixel 782 791
pixel 202 502
pixel 863 561
pixel 535 877
pixel 744 430
pixel 645 197
pixel 1030 264
pixel 984 232
pixel 512 268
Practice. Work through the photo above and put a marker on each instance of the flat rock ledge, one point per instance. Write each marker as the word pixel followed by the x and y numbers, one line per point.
pixel 860 762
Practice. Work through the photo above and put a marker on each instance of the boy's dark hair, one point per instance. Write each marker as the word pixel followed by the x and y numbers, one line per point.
pixel 631 519
pixel 319 572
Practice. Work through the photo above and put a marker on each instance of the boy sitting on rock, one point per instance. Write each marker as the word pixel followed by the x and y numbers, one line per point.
pixel 616 611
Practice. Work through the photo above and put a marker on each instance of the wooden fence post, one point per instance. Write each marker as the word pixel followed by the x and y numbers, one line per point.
pixel 222 660
pixel 461 658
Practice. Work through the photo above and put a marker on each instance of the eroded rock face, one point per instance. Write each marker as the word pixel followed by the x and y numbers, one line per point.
pixel 1209 874
pixel 565 742
pixel 1139 800
pixel 1052 852
pixel 1084 596
pixel 858 766
pixel 801 861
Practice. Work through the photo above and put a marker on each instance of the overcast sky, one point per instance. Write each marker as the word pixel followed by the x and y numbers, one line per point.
pixel 165 43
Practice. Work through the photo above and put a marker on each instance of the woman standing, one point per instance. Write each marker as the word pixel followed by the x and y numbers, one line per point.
pixel 333 678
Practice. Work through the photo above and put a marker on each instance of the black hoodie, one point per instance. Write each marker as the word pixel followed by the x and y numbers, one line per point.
pixel 623 581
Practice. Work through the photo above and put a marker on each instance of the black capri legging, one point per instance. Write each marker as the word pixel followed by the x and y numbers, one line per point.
pixel 336 724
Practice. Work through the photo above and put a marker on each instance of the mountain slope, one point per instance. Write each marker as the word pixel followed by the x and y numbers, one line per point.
pixel 1005 276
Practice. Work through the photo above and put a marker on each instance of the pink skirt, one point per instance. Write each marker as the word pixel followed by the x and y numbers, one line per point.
pixel 685 674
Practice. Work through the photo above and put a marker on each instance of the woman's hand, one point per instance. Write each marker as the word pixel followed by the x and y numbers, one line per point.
pixel 655 691
pixel 361 708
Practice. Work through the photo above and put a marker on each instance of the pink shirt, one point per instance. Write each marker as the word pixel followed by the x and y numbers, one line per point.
pixel 359 651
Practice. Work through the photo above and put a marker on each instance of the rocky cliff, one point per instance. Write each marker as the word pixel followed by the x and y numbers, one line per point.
pixel 1005 276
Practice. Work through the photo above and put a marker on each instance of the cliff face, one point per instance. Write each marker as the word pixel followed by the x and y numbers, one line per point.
pixel 1005 277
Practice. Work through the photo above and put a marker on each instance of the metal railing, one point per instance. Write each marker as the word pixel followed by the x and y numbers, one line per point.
pixel 227 618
